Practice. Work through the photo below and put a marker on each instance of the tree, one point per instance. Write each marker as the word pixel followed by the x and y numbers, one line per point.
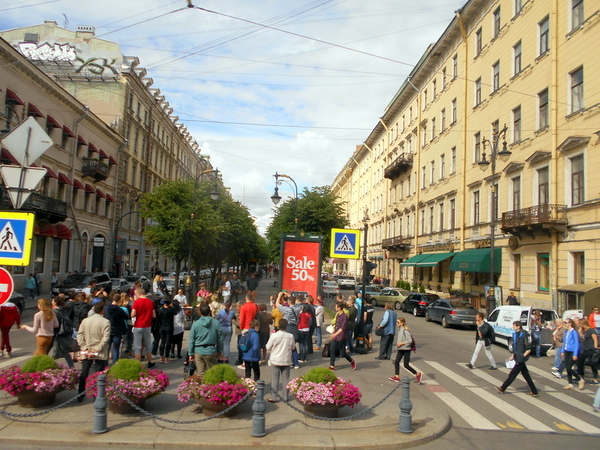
pixel 317 211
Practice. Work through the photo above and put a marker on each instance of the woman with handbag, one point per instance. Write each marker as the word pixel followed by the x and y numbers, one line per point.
pixel 589 347
pixel 521 351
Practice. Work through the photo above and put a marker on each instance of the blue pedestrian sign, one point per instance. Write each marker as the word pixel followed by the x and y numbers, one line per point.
pixel 16 232
pixel 345 243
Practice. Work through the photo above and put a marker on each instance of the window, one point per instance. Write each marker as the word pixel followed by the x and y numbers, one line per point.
pixel 424 98
pixel 423 177
pixel 517 124
pixel 544 28
pixel 443 117
pixel 516 193
pixel 543 271
pixel 454 66
pixel 576 13
pixel 432 179
pixel 478 42
pixel 434 89
pixel 452 214
pixel 433 130
pixel 543 186
pixel 578 267
pixel 431 218
pixel 56 246
pixel 476 208
pixel 517 58
pixel 424 135
pixel 577 180
pixel 497 24
pixel 478 91
pixel 423 221
pixel 577 90
pixel 543 113
pixel 441 210
pixel 442 166
pixel 453 160
pixel 454 111
pixel 40 253
pixel 444 78
pixel 496 76
pixel 477 147
pixel 518 6
pixel 516 271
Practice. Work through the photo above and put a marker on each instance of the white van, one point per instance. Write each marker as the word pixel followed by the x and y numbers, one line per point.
pixel 503 317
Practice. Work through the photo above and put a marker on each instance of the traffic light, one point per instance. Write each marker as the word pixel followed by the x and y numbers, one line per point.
pixel 368 267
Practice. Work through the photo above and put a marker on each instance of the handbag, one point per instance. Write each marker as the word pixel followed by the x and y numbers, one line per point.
pixel 510 363
pixel 551 352
pixel 325 353
pixel 330 329
pixel 378 331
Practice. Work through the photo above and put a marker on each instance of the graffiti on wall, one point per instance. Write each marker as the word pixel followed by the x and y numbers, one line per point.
pixel 97 65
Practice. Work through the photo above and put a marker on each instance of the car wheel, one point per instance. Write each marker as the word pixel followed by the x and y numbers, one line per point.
pixel 445 323
pixel 415 311
pixel 427 318
pixel 509 345
pixel 397 306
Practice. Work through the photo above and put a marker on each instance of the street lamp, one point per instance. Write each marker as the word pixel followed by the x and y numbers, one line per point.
pixel 116 236
pixel 503 154
pixel 276 198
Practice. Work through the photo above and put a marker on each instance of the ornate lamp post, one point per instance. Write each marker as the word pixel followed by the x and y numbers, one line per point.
pixel 503 154
pixel 276 198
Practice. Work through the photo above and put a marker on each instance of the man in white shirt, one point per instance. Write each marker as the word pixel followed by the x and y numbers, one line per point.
pixel 280 346
pixel 182 298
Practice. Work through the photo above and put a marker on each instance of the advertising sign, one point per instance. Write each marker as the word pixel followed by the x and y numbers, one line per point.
pixel 301 265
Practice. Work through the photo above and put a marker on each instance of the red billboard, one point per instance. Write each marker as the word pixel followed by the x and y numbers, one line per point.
pixel 301 265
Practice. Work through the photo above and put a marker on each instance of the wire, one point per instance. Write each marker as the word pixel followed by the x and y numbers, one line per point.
pixel 141 22
pixel 28 6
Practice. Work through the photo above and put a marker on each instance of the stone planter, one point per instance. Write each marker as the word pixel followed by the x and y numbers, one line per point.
pixel 32 399
pixel 210 409
pixel 328 410
pixel 126 408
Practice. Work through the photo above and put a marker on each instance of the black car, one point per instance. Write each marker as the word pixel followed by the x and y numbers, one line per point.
pixel 417 303
pixel 77 282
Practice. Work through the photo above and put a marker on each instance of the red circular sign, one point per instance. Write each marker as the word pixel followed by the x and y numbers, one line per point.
pixel 6 285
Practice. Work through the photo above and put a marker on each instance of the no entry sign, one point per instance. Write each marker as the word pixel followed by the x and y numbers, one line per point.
pixel 6 285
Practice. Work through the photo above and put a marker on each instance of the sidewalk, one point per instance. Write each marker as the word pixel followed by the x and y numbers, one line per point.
pixel 71 426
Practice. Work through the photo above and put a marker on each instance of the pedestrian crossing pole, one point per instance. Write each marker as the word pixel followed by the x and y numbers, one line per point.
pixel 405 425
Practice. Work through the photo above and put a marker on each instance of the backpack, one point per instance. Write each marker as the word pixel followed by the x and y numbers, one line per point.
pixel 65 325
pixel 492 335
pixel 244 342
pixel 413 344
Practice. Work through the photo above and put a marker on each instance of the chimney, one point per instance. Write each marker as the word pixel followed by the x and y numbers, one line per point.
pixel 85 31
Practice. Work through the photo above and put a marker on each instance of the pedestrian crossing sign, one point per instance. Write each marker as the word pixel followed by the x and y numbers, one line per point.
pixel 16 232
pixel 345 243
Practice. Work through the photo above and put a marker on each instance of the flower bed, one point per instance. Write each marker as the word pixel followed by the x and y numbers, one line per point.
pixel 318 387
pixel 220 386
pixel 57 377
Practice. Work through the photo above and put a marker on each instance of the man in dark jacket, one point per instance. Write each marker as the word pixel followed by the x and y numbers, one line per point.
pixel 118 326
pixel 521 351
pixel 484 338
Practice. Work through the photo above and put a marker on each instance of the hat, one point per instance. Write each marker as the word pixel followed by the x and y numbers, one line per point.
pixel 284 291
pixel 96 300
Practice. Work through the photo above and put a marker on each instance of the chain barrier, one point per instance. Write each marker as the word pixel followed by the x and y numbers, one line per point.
pixel 335 419
pixel 47 411
pixel 181 422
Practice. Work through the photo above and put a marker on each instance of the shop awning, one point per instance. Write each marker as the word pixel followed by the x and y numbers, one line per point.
pixel 89 188
pixel 34 111
pixel 477 260
pixel 78 184
pixel 14 98
pixel 7 156
pixel 413 260
pixel 50 173
pixel 433 259
pixel 579 288
pixel 110 198
pixel 67 131
pixel 100 194
pixel 92 148
pixel 111 160
pixel 103 154
pixel 51 122
pixel 81 140
pixel 45 228
pixel 62 178
pixel 63 232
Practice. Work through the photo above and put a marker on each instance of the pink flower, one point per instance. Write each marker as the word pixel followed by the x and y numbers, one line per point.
pixel 14 381
pixel 339 392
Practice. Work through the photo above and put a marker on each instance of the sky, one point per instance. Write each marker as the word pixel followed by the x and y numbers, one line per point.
pixel 264 86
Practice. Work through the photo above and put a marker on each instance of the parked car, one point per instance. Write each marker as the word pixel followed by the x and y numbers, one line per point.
pixel 77 282
pixel 18 300
pixel 394 295
pixel 120 285
pixel 370 289
pixel 451 311
pixel 146 283
pixel 346 282
pixel 330 288
pixel 418 302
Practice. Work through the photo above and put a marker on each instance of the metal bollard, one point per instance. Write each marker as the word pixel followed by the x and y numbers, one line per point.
pixel 259 408
pixel 405 408
pixel 100 405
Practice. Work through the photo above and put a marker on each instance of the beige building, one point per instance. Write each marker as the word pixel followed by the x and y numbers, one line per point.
pixel 154 147
pixel 506 76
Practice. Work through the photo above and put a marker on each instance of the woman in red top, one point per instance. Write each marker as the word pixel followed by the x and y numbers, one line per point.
pixel 304 329
pixel 9 315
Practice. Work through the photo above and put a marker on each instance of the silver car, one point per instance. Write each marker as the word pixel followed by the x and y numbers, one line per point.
pixel 451 311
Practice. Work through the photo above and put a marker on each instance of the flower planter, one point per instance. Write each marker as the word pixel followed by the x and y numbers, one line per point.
pixel 32 399
pixel 328 410
pixel 126 408
pixel 210 409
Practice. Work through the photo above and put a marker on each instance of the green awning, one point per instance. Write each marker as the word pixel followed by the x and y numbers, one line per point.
pixel 413 260
pixel 433 259
pixel 477 260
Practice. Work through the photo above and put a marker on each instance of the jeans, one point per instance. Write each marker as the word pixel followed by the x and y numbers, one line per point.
pixel 519 368
pixel 349 334
pixel 115 347
pixel 385 347
pixel 304 342
pixel 226 342
pixel 571 374
pixel 536 340
pixel 319 334
pixel 165 343
pixel 558 357
pixel 333 347
pixel 597 399
pixel 488 352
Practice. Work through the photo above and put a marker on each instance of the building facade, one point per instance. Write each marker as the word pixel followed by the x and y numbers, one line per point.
pixel 510 83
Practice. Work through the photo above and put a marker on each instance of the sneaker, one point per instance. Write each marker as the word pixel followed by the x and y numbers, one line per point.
pixel 556 374
pixel 493 368
pixel 469 365
pixel 568 387
pixel 395 378
pixel 151 365
pixel 241 366
pixel 419 377
pixel 353 364
pixel 499 389
pixel 296 367
pixel 592 382
pixel 532 394
pixel 331 368
pixel 581 383
pixel 554 369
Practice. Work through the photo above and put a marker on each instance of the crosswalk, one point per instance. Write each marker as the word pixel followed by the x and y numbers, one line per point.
pixel 471 396
pixel 6 362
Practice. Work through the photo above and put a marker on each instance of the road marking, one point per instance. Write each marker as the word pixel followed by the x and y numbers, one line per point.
pixel 562 396
pixel 14 360
pixel 467 413
pixel 562 415
pixel 511 411
pixel 485 375
pixel 562 426
pixel 450 374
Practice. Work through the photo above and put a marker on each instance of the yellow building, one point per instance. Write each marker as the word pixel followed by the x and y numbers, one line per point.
pixel 155 147
pixel 505 76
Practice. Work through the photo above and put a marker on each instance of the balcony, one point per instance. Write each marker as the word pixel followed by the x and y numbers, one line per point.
pixel 535 220
pixel 400 165
pixel 95 169
pixel 396 243
pixel 43 206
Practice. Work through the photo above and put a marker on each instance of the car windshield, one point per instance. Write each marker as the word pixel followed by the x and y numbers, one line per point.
pixel 460 303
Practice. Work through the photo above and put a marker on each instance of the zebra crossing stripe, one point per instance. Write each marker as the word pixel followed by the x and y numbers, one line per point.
pixel 467 413
pixel 562 416
pixel 14 360
pixel 564 397
pixel 450 374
